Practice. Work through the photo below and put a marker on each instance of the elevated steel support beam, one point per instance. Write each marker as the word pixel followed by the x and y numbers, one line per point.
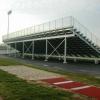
pixel 15 49
pixel 65 50
pixel 33 49
pixel 48 38
pixel 9 50
pixel 75 60
pixel 96 61
pixel 46 52
pixel 23 50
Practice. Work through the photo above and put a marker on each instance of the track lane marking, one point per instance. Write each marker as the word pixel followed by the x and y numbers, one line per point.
pixel 62 82
pixel 82 87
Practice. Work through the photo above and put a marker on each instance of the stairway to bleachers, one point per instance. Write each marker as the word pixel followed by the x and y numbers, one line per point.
pixel 78 47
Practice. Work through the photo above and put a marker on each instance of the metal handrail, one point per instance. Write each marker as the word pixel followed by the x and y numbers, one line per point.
pixel 53 25
pixel 86 32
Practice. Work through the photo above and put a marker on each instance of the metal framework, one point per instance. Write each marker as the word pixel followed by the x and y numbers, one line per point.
pixel 55 41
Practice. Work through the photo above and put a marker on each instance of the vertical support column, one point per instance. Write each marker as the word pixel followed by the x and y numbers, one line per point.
pixel 75 60
pixel 96 61
pixel 65 47
pixel 9 49
pixel 23 50
pixel 46 53
pixel 33 50
pixel 15 49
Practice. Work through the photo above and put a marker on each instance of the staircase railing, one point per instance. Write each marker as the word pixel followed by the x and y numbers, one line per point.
pixel 86 32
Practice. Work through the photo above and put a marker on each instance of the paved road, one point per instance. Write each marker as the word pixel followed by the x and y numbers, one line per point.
pixel 87 68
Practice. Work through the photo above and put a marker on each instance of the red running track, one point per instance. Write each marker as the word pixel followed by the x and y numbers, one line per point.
pixel 91 91
pixel 54 80
pixel 70 85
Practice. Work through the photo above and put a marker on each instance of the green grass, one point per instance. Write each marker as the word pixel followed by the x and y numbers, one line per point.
pixel 13 88
pixel 7 62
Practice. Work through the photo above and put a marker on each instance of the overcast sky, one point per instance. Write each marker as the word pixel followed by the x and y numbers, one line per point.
pixel 27 13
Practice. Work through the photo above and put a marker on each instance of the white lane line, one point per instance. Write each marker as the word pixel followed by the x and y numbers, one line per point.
pixel 62 82
pixel 82 87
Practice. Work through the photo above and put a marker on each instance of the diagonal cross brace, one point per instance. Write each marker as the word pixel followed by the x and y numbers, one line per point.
pixel 56 48
pixel 28 48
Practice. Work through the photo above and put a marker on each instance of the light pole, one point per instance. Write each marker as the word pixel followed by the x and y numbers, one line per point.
pixel 9 12
pixel 8 47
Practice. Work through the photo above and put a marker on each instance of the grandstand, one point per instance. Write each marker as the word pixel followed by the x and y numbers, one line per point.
pixel 63 39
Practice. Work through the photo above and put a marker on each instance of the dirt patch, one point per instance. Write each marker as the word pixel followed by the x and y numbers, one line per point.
pixel 28 73
pixel 1 98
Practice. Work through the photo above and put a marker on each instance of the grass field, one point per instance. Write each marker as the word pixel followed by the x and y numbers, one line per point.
pixel 13 88
pixel 7 62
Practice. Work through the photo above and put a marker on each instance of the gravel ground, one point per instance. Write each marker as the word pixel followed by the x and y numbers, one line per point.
pixel 28 73
pixel 1 98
